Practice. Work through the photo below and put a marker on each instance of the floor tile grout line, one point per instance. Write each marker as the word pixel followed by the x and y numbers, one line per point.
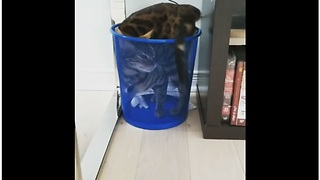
pixel 104 160
pixel 140 147
pixel 235 148
pixel 187 130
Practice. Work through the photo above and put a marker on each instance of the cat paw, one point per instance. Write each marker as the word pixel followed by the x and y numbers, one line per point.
pixel 159 113
pixel 174 111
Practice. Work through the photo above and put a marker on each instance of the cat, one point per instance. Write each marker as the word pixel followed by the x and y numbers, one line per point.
pixel 164 21
pixel 140 71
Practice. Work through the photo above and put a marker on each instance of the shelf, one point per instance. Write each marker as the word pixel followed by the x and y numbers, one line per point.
pixel 223 131
pixel 237 37
pixel 210 86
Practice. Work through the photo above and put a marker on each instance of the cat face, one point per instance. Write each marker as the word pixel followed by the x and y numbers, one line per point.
pixel 139 56
pixel 143 61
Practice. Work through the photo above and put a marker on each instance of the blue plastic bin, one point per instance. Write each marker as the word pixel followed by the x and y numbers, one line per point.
pixel 148 80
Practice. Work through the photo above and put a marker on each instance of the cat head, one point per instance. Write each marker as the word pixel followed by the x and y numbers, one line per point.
pixel 137 55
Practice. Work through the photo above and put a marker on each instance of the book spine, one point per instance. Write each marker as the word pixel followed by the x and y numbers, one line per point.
pixel 236 92
pixel 228 87
pixel 241 117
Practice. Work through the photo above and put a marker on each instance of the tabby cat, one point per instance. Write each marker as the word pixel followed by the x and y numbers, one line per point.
pixel 163 21
pixel 140 69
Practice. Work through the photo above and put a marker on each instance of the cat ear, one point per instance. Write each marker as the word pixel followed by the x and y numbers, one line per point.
pixel 147 35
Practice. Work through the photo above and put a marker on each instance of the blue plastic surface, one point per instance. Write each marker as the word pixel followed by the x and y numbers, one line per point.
pixel 148 65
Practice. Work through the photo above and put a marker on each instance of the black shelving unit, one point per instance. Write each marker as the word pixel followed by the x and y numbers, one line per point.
pixel 212 71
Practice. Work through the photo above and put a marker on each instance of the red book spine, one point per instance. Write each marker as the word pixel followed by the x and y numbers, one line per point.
pixel 228 87
pixel 241 117
pixel 236 92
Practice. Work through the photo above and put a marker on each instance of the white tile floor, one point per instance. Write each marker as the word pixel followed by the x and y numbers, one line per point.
pixel 179 153
pixel 90 110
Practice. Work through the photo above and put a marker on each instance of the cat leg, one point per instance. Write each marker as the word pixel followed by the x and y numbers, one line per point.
pixel 183 93
pixel 153 98
pixel 160 93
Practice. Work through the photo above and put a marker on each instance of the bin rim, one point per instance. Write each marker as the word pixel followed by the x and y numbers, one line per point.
pixel 144 40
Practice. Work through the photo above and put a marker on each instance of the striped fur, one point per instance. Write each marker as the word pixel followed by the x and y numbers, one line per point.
pixel 142 72
pixel 163 21
pixel 159 21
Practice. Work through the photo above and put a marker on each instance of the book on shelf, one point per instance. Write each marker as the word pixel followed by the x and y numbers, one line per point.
pixel 228 86
pixel 241 117
pixel 236 91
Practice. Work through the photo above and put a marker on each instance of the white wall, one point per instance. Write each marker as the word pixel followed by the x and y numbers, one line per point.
pixel 95 68
pixel 117 10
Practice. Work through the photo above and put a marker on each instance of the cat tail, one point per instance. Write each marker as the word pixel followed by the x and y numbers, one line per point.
pixel 179 54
